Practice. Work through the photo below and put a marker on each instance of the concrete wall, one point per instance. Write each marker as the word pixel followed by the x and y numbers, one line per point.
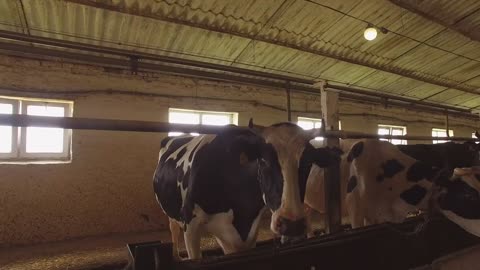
pixel 107 188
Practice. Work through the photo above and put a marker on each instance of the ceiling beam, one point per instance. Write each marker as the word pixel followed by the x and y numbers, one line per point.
pixel 454 27
pixel 147 13
pixel 22 17
pixel 349 93
pixel 65 44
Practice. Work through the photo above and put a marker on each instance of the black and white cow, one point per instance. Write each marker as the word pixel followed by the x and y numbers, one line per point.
pixel 381 165
pixel 447 155
pixel 223 183
pixel 461 200
pixel 385 185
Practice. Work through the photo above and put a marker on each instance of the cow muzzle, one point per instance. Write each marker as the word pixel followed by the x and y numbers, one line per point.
pixel 292 240
pixel 291 229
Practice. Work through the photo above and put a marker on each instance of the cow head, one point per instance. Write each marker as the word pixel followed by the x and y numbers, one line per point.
pixel 460 199
pixel 473 152
pixel 288 156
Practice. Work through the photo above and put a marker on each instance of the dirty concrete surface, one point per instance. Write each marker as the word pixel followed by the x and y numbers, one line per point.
pixel 105 252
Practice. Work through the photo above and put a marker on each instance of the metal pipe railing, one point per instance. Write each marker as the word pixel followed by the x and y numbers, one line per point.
pixel 342 134
pixel 20 120
pixel 202 69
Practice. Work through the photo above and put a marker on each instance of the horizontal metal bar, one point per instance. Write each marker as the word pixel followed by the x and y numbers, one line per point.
pixel 345 94
pixel 23 50
pixel 411 105
pixel 103 124
pixel 300 84
pixel 140 55
pixel 342 134
pixel 20 120
pixel 385 96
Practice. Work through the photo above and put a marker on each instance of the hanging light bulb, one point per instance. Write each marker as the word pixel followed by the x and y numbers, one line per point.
pixel 370 33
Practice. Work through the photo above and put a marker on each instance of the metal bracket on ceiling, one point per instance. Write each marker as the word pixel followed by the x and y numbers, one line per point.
pixel 447 123
pixel 289 106
pixel 134 64
pixel 385 102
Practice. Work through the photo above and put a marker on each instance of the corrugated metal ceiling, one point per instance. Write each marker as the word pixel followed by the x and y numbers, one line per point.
pixel 318 39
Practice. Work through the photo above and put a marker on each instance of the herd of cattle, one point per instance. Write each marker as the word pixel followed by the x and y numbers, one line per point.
pixel 222 184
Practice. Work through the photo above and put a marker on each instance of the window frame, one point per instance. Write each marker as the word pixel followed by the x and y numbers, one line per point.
pixel 450 133
pixel 314 121
pixel 232 115
pixel 19 153
pixel 391 128
pixel 67 133
pixel 15 136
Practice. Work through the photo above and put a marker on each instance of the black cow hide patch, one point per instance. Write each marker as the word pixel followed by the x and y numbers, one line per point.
pixel 414 195
pixel 164 142
pixel 392 167
pixel 304 167
pixel 352 183
pixel 190 157
pixel 355 152
pixel 461 199
pixel 419 171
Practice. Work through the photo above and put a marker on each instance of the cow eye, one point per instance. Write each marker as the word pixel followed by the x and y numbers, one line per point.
pixel 265 162
pixel 262 162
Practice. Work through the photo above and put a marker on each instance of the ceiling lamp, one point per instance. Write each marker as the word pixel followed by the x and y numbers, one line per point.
pixel 370 33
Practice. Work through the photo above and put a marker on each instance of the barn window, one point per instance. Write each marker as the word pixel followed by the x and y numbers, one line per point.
pixel 25 144
pixel 438 132
pixel 181 116
pixel 392 130
pixel 309 123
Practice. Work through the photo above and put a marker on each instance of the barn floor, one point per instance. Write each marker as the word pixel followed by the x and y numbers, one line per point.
pixel 106 252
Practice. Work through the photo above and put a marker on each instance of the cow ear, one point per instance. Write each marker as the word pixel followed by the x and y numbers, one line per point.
pixel 324 156
pixel 250 123
pixel 255 128
pixel 462 171
pixel 442 177
pixel 472 146
pixel 243 158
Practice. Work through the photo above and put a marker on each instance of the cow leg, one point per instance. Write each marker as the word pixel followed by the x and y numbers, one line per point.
pixel 221 226
pixel 368 222
pixel 355 210
pixel 175 231
pixel 192 239
pixel 308 220
pixel 230 241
